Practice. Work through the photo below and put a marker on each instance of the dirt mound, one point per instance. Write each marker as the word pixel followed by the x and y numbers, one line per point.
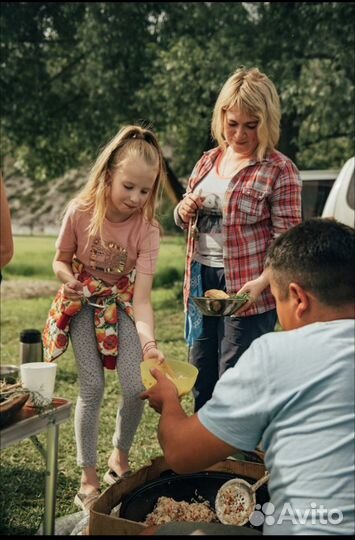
pixel 37 208
pixel 28 289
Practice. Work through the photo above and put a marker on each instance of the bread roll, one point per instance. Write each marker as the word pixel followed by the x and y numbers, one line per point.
pixel 216 293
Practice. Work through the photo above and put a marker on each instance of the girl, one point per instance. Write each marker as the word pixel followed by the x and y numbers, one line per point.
pixel 106 257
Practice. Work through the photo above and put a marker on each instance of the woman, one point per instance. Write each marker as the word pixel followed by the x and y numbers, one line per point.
pixel 240 196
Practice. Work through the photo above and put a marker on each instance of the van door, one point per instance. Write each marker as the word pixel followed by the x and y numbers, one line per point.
pixel 340 203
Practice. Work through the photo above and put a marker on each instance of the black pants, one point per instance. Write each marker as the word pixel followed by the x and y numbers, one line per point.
pixel 223 340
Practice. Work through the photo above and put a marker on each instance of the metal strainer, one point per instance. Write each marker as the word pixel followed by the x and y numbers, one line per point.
pixel 235 500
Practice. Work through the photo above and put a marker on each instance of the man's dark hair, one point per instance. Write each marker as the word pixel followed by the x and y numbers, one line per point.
pixel 319 255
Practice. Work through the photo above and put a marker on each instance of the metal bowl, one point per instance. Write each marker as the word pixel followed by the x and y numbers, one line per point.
pixel 219 307
pixel 9 372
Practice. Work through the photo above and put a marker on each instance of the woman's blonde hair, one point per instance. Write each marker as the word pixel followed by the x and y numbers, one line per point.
pixel 133 141
pixel 251 92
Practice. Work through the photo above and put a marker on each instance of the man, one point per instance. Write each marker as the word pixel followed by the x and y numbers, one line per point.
pixel 292 390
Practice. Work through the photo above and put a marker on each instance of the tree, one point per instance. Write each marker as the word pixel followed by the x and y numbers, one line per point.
pixel 74 72
pixel 70 73
pixel 311 59
pixel 199 46
pixel 306 49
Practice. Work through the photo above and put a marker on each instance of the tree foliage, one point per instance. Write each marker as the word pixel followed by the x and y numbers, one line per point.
pixel 73 73
pixel 69 78
pixel 311 58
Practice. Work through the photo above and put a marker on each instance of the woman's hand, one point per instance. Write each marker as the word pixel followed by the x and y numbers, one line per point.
pixel 73 289
pixel 253 288
pixel 189 206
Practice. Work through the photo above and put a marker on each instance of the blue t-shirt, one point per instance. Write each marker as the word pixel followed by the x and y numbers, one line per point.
pixel 294 392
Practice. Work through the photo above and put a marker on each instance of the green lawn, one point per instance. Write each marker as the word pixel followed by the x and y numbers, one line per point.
pixel 22 467
pixel 34 254
pixel 32 259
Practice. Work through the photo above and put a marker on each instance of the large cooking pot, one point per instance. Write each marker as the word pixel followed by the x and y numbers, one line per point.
pixel 181 487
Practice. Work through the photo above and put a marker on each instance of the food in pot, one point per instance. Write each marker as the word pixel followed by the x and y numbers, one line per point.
pixel 167 509
pixel 216 293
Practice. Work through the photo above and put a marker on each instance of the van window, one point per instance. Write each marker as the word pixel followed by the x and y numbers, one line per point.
pixel 314 196
pixel 351 193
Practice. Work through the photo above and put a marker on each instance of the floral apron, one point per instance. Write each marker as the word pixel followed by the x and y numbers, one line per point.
pixel 56 331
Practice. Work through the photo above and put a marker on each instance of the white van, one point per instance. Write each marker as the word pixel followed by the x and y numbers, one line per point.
pixel 316 186
pixel 340 203
pixel 329 193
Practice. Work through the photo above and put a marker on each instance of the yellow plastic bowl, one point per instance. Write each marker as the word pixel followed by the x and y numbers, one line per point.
pixel 185 374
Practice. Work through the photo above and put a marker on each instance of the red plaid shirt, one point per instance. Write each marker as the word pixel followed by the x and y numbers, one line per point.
pixel 262 201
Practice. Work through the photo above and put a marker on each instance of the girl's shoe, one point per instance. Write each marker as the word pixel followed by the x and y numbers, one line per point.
pixel 85 502
pixel 111 477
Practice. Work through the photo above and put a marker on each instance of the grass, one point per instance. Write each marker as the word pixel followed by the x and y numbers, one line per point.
pixel 22 468
pixel 34 254
pixel 32 259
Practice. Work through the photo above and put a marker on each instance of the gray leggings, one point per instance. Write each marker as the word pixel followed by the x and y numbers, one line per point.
pixel 92 384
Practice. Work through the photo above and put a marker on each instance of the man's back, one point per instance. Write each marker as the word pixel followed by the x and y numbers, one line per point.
pixel 295 391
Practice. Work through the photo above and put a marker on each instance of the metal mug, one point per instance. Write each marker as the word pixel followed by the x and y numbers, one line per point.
pixel 31 349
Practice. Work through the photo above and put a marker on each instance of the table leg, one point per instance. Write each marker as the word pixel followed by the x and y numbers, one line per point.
pixel 51 480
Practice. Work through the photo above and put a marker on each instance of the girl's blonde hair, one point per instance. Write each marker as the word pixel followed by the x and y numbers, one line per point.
pixel 133 141
pixel 251 92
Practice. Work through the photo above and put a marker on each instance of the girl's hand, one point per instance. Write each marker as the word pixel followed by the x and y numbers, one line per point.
pixel 154 353
pixel 189 206
pixel 73 289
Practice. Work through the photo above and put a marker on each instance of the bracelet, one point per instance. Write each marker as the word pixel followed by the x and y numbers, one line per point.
pixel 149 345
pixel 195 203
pixel 145 353
pixel 146 349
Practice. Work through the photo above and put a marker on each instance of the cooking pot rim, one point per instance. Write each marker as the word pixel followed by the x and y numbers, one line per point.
pixel 169 476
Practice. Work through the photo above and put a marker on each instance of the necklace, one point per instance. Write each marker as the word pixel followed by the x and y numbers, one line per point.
pixel 224 166
pixel 227 167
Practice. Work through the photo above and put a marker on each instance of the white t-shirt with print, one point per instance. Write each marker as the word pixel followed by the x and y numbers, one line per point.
pixel 209 249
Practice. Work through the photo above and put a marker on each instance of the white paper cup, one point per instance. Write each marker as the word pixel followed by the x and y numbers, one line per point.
pixel 39 377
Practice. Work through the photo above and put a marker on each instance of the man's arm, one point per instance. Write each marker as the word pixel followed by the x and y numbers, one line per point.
pixel 187 445
pixel 6 243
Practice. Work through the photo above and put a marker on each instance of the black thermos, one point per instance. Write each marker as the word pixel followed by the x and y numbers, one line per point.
pixel 31 346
